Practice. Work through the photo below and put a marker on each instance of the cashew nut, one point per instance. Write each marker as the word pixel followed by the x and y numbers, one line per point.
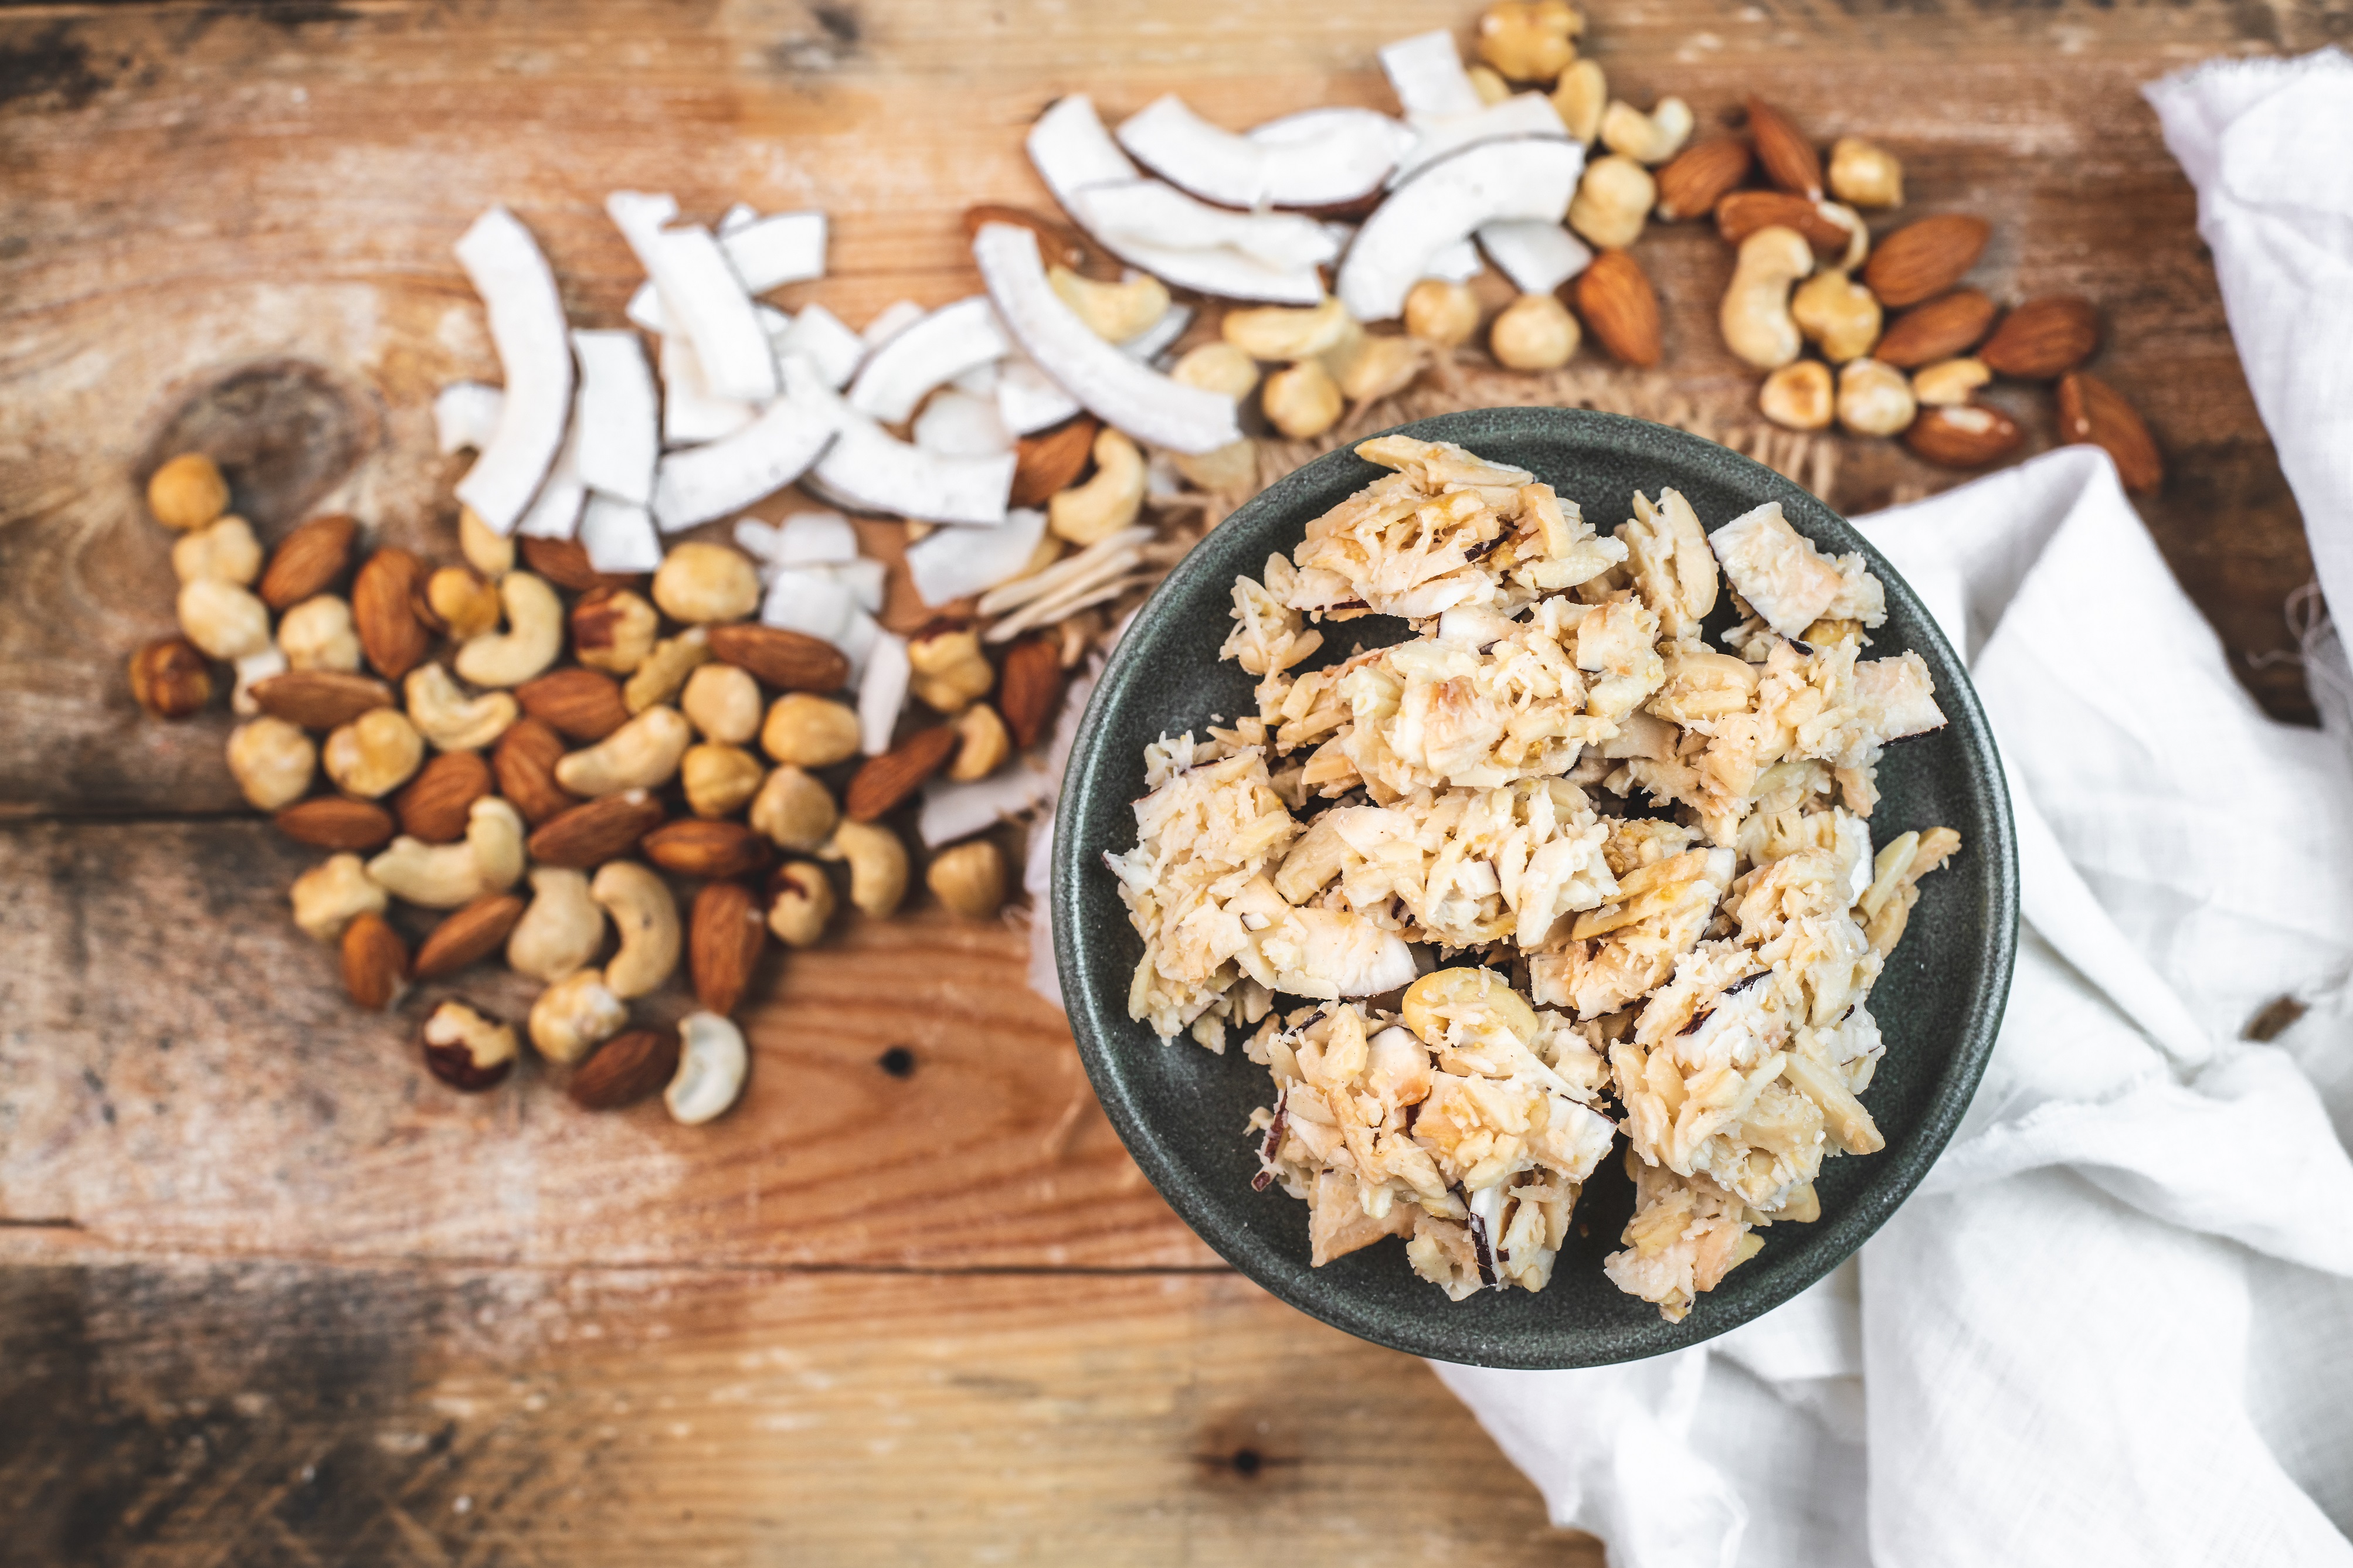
pixel 1858 234
pixel 665 670
pixel 646 918
pixel 810 732
pixel 1865 174
pixel 1274 332
pixel 1302 400
pixel 444 876
pixel 878 866
pixel 1105 503
pixel 333 893
pixel 1798 396
pixel 575 1015
pixel 489 552
pixel 561 931
pixel 641 754
pixel 793 810
pixel 1534 331
pixel 1385 365
pixel 251 671
pixel 225 551
pixel 534 635
pixel 1949 382
pixel 1489 84
pixel 317 635
pixel 712 1062
pixel 719 778
pixel 1652 138
pixel 1755 315
pixel 463 603
pixel 1613 202
pixel 1834 311
pixel 699 583
pixel 374 754
pixel 465 1050
pixel 950 671
pixel 187 492
pixel 272 762
pixel 803 905
pixel 1529 41
pixel 1433 1001
pixel 1580 97
pixel 982 745
pixel 969 879
pixel 1217 367
pixel 223 619
pixel 1230 469
pixel 1112 311
pixel 1440 312
pixel 613 630
pixel 1874 399
pixel 448 718
pixel 722 700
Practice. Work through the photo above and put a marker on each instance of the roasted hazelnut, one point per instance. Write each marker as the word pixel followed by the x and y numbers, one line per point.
pixel 169 679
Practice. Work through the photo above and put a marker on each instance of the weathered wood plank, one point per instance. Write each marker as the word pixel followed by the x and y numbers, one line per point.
pixel 266 1413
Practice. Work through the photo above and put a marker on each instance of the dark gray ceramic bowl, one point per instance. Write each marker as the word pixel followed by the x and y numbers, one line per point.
pixel 1182 1109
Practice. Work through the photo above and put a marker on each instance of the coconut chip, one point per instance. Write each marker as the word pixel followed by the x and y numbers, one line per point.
pixel 873 470
pixel 704 482
pixel 534 348
pixel 953 563
pixel 821 338
pixel 617 415
pixel 619 536
pixel 1443 204
pixel 700 295
pixel 465 416
pixel 937 348
pixel 1321 158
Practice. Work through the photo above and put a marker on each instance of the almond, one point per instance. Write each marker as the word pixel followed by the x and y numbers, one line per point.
pixel 375 962
pixel 581 703
pixel 1696 178
pixel 1051 462
pixel 2043 338
pixel 320 699
pixel 1789 160
pixel 596 831
pixel 383 613
pixel 1963 435
pixel 524 760
pixel 434 804
pixel 2090 410
pixel 695 846
pixel 888 779
pixel 332 822
pixel 1943 328
pixel 1743 213
pixel 1027 688
pixel 1621 307
pixel 1923 260
pixel 789 662
pixel 471 933
pixel 308 561
pixel 723 941
pixel 625 1069
pixel 564 562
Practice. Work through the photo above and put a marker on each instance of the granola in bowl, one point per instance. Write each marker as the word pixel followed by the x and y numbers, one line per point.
pixel 1549 872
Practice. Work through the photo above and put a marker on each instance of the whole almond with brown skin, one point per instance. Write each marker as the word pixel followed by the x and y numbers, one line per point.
pixel 375 962
pixel 433 806
pixel 1923 260
pixel 1943 328
pixel 723 941
pixel 787 660
pixel 308 561
pixel 885 781
pixel 383 613
pixel 1051 462
pixel 171 678
pixel 585 704
pixel 470 933
pixel 1789 160
pixel 1028 687
pixel 625 1069
pixel 332 822
pixel 564 562
pixel 1695 179
pixel 2090 411
pixel 1621 307
pixel 320 699
pixel 2043 338
pixel 524 760
pixel 596 831
pixel 1963 435
pixel 694 846
pixel 1743 213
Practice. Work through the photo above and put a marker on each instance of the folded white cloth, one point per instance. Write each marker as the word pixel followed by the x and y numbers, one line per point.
pixel 2116 1324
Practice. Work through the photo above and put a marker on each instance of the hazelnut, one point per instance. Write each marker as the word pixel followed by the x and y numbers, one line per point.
pixel 465 1050
pixel 949 669
pixel 574 1014
pixel 699 582
pixel 170 679
pixel 795 810
pixel 1865 174
pixel 969 878
pixel 1529 41
pixel 1949 382
pixel 800 903
pixel 374 754
pixel 225 550
pixel 982 745
pixel 612 629
pixel 722 701
pixel 1798 396
pixel 333 893
pixel 1874 399
pixel 1534 331
pixel 719 778
pixel 1840 314
pixel 1440 312
pixel 223 619
pixel 272 762
pixel 317 634
pixel 462 603
pixel 1302 400
pixel 187 492
pixel 810 732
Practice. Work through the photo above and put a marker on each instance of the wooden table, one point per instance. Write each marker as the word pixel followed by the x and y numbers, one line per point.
pixel 268 1295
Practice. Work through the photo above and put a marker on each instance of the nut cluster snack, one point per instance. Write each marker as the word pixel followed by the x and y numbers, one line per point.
pixel 1552 852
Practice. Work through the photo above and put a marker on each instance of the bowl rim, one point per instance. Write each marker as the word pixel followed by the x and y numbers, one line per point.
pixel 1893 1181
